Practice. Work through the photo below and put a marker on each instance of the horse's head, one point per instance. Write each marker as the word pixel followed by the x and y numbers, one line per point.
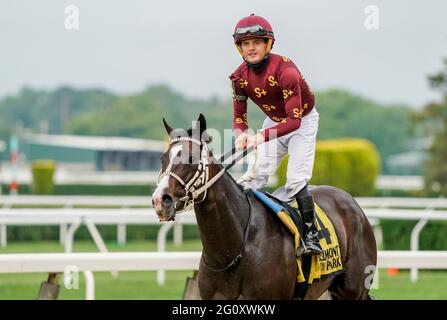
pixel 184 170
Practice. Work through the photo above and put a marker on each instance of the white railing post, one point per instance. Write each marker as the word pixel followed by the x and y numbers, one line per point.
pixel 62 233
pixel 178 234
pixel 3 235
pixel 415 234
pixel 161 247
pixel 63 226
pixel 96 236
pixel 69 236
pixel 121 234
pixel 377 230
pixel 121 230
pixel 414 245
pixel 3 229
pixel 89 285
pixel 98 240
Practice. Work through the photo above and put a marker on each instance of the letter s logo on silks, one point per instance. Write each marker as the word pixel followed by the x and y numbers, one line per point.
pixel 268 108
pixel 272 81
pixel 260 92
pixel 240 120
pixel 287 93
pixel 297 113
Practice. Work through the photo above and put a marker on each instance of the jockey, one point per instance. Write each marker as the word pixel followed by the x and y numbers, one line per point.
pixel 278 88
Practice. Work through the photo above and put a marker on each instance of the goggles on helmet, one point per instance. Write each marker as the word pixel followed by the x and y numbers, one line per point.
pixel 255 30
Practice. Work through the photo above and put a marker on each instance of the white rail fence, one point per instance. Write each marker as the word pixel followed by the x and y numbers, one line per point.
pixel 137 210
pixel 70 175
pixel 87 263
pixel 72 213
pixel 421 210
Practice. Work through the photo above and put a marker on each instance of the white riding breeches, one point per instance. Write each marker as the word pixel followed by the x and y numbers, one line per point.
pixel 299 144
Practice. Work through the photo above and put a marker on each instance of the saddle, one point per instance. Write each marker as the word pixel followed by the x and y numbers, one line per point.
pixel 310 268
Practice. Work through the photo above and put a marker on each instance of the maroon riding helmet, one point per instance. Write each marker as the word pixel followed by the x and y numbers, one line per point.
pixel 253 26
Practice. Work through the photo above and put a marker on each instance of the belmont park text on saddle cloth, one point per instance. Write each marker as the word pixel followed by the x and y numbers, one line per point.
pixel 328 263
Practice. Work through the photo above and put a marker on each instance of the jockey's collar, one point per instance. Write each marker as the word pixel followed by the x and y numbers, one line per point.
pixel 258 67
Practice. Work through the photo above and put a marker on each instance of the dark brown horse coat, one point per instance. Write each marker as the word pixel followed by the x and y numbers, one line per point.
pixel 267 268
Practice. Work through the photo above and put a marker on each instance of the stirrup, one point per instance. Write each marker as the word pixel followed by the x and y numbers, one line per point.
pixel 309 250
pixel 313 250
pixel 313 245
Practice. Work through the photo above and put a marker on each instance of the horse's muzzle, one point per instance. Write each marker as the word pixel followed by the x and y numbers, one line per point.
pixel 164 207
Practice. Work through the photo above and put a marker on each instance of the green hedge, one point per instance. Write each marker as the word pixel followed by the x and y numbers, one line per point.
pixel 349 164
pixel 43 172
pixel 76 189
pixel 396 235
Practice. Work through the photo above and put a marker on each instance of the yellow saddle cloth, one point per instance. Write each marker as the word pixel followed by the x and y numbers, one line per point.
pixel 327 263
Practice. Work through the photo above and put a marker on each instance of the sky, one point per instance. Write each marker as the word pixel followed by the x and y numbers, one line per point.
pixel 124 46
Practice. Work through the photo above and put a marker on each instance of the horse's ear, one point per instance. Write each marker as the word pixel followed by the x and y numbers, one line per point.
pixel 167 126
pixel 202 123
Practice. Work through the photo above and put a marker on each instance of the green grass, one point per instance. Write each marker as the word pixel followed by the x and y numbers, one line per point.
pixel 89 246
pixel 128 285
pixel 143 285
pixel 431 285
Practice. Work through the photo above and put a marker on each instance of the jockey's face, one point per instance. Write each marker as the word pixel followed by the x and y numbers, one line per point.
pixel 254 50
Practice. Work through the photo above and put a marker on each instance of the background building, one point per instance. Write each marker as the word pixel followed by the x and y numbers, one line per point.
pixel 92 153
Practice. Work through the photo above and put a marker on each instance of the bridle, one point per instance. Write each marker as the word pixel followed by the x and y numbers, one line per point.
pixel 200 183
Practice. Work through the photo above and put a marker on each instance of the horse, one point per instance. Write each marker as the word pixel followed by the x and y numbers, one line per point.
pixel 247 253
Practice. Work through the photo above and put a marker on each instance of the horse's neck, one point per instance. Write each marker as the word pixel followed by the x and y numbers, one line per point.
pixel 221 219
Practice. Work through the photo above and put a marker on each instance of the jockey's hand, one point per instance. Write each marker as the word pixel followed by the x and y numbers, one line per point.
pixel 241 141
pixel 255 140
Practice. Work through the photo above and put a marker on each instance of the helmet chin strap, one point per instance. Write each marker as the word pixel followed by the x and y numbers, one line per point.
pixel 269 46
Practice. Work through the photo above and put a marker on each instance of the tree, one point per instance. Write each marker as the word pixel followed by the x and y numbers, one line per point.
pixel 433 121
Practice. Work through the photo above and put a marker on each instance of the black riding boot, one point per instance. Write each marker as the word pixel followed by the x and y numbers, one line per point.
pixel 306 205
